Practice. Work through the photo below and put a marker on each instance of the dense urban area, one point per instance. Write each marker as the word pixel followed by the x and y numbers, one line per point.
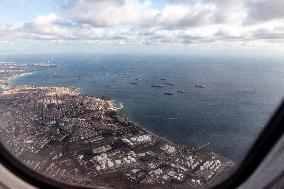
pixel 81 139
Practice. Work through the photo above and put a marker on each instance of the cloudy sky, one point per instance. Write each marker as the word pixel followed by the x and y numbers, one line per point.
pixel 28 26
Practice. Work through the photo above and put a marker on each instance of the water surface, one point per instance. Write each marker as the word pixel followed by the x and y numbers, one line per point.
pixel 239 95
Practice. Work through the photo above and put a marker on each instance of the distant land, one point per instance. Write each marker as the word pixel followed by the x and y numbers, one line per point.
pixel 81 139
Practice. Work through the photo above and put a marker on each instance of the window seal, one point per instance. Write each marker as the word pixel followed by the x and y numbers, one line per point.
pixel 268 137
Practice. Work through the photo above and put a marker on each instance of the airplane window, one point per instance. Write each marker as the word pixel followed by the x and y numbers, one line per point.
pixel 138 94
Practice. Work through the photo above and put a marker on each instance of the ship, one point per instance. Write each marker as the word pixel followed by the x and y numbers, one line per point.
pixel 181 91
pixel 168 93
pixel 156 85
pixel 199 86
pixel 169 84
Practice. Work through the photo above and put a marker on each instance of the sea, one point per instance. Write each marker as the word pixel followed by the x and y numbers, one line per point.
pixel 239 96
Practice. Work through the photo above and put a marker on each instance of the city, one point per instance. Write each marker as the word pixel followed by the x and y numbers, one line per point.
pixel 73 137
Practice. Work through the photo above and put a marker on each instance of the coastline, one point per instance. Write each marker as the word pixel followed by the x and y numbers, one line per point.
pixel 93 120
pixel 7 81
pixel 7 84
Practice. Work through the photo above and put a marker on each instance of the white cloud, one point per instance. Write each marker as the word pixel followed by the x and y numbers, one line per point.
pixel 180 16
pixel 48 25
pixel 139 22
pixel 111 12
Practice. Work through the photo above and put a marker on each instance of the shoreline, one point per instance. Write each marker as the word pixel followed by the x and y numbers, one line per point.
pixel 8 83
pixel 62 118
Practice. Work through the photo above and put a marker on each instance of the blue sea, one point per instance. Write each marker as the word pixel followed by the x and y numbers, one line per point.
pixel 239 96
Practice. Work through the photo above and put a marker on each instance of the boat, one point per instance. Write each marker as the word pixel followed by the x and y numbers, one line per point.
pixel 156 85
pixel 137 79
pixel 169 84
pixel 168 93
pixel 163 79
pixel 126 74
pixel 181 91
pixel 174 118
pixel 199 86
pixel 133 83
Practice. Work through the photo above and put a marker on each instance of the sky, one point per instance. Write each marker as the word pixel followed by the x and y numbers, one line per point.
pixel 136 26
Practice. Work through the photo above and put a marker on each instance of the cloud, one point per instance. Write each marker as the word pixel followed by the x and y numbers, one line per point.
pixel 51 27
pixel 48 25
pixel 141 22
pixel 111 12
pixel 265 10
pixel 134 13
pixel 180 16
pixel 228 11
pixel 268 35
